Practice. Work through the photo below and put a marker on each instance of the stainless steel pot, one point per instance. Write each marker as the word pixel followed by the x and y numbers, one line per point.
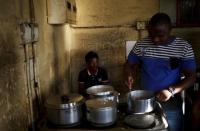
pixel 101 112
pixel 140 101
pixel 103 91
pixel 100 91
pixel 64 110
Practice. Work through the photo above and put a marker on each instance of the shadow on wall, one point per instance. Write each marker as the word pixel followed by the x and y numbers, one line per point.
pixel 60 65
pixel 192 36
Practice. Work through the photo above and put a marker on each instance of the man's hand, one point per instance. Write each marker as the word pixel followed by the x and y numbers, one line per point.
pixel 129 82
pixel 164 95
pixel 130 73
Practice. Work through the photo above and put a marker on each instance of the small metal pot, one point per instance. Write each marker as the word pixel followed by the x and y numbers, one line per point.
pixel 64 110
pixel 101 112
pixel 140 101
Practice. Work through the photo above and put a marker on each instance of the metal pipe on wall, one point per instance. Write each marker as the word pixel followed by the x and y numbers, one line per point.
pixel 33 87
pixel 29 91
pixel 35 65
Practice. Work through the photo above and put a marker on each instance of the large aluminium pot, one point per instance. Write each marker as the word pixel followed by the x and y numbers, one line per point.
pixel 140 101
pixel 64 110
pixel 103 91
pixel 101 112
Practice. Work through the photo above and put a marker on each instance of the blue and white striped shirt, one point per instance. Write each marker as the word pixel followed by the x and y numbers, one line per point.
pixel 162 65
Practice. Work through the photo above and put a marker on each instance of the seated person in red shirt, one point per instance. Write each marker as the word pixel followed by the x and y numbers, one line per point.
pixel 92 75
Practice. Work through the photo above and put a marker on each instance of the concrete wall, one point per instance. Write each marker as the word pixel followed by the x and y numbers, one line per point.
pixel 114 12
pixel 52 52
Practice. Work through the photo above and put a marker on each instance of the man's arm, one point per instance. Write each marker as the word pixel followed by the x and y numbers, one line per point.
pixel 190 77
pixel 188 81
pixel 131 65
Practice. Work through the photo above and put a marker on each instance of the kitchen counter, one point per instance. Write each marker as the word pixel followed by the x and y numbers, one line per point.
pixel 160 123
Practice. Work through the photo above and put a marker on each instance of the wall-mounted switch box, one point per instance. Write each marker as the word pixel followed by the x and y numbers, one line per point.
pixel 29 32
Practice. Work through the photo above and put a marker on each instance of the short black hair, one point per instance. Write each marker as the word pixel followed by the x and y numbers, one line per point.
pixel 160 19
pixel 90 55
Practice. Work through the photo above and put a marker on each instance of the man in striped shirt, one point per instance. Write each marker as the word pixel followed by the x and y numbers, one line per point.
pixel 163 60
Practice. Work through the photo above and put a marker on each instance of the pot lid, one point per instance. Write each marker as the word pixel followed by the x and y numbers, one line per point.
pixel 100 103
pixel 64 101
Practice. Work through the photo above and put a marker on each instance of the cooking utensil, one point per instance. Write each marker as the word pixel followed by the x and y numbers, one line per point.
pixel 140 121
pixel 100 91
pixel 101 112
pixel 64 110
pixel 103 91
pixel 140 101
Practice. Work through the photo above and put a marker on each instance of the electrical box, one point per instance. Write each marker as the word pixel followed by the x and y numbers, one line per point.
pixel 29 32
pixel 61 11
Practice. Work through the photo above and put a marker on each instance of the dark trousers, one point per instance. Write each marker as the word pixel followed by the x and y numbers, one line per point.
pixel 174 114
